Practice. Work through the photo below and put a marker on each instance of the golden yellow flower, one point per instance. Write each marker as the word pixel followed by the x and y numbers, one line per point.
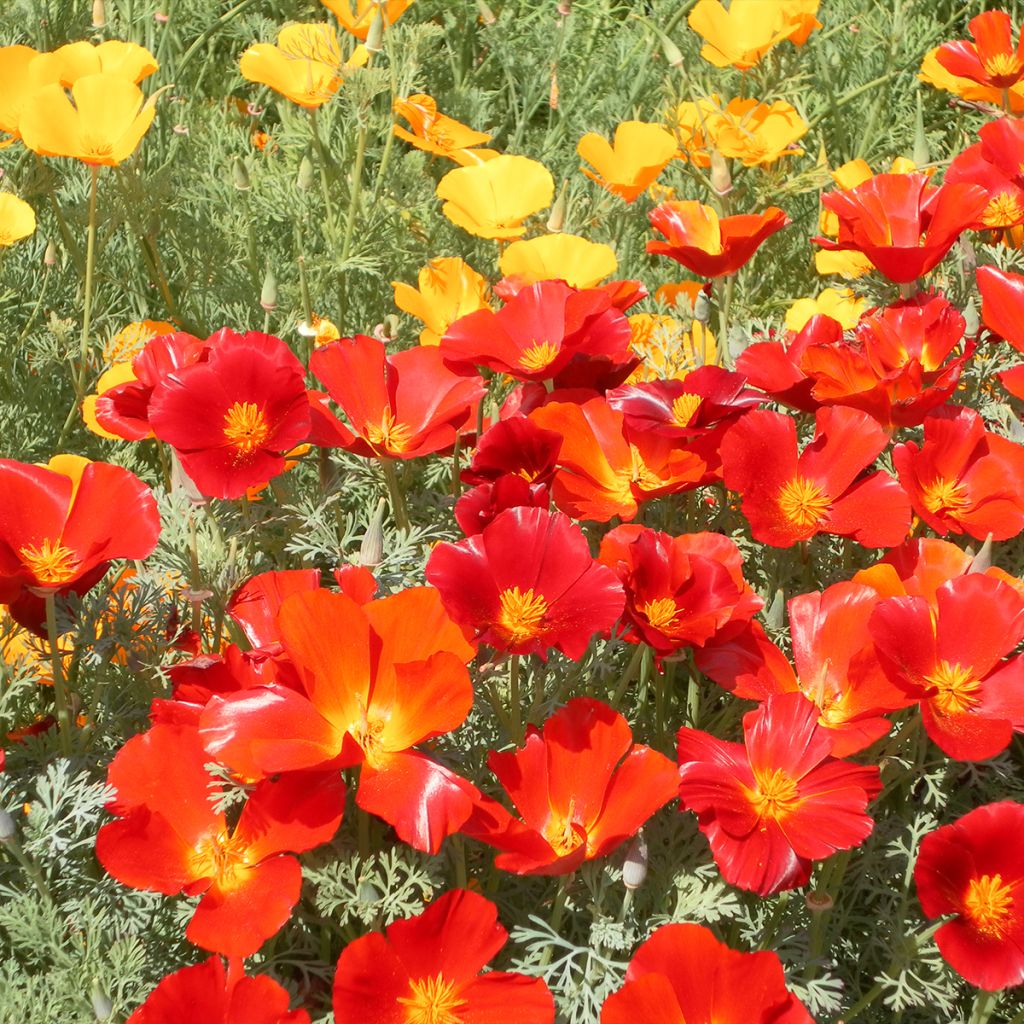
pixel 448 289
pixel 667 348
pixel 306 66
pixel 76 60
pixel 639 153
pixel 758 133
pixel 841 304
pixel 21 74
pixel 577 261
pixel 493 199
pixel 437 133
pixel 357 21
pixel 100 124
pixel 742 34
pixel 17 219
pixel 131 339
pixel 321 330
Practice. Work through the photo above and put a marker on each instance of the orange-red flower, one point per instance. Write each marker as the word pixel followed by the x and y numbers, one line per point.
pixel 995 163
pixel 707 245
pixel 973 870
pixel 169 838
pixel 212 995
pixel 527 583
pixel 776 803
pixel 901 223
pixel 683 975
pixel 398 406
pixel 426 970
pixel 576 801
pixel 1002 304
pixel 789 497
pixel 992 59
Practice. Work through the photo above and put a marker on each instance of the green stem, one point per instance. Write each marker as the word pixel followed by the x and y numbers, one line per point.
pixel 211 31
pixel 363 833
pixel 193 553
pixel 357 189
pixel 35 310
pixel 29 866
pixel 90 261
pixel 984 1004
pixel 60 690
pixel 627 675
pixel 723 320
pixel 513 699
pixel 395 493
pixel 557 912
pixel 325 185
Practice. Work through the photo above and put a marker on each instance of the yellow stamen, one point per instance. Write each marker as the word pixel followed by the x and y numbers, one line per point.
pixel 660 613
pixel 1003 211
pixel 684 407
pixel 987 905
pixel 246 427
pixel 432 1001
pixel 1002 65
pixel 776 795
pixel 561 836
pixel 803 503
pixel 221 858
pixel 945 495
pixel 393 436
pixel 520 614
pixel 51 563
pixel 957 691
pixel 539 355
pixel 368 731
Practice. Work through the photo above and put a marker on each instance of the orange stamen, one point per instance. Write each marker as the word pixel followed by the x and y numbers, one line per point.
pixel 51 563
pixel 520 614
pixel 987 905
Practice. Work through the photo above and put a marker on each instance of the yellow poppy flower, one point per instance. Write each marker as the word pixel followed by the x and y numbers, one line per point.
pixel 742 34
pixel 119 373
pixel 667 348
pixel 934 74
pixel 839 303
pixel 577 261
pixel 21 74
pixel 306 65
pixel 758 133
pixel 17 219
pixel 638 154
pixel 101 127
pixel 75 60
pixel 131 339
pixel 321 330
pixel 358 21
pixel 434 132
pixel 492 199
pixel 448 289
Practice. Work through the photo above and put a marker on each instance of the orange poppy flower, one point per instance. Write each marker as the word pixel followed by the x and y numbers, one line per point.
pixel 742 34
pixel 17 219
pixel 934 74
pixel 755 133
pixel 992 59
pixel 358 21
pixel 23 71
pixel 436 133
pixel 639 153
pixel 449 288
pixel 75 60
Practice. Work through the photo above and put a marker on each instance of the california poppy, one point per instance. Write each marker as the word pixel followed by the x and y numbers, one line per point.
pixel 841 304
pixel 776 803
pixel 1002 304
pixel 21 75
pixel 448 288
pixel 112 56
pixel 935 75
pixel 577 261
pixel 740 35
pixel 992 59
pixel 576 800
pixel 437 133
pixel 638 154
pixel 973 870
pixel 995 164
pixel 356 16
pixel 17 219
pixel 426 969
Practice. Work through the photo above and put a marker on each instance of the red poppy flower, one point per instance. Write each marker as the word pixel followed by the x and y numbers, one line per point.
pixel 398 406
pixel 539 332
pixel 995 164
pixel 779 802
pixel 426 970
pixel 527 583
pixel 991 59
pixel 680 591
pixel 376 679
pixel 901 223
pixel 514 446
pixel 605 471
pixel 707 245
pixel 789 497
pixel 170 839
pixel 683 975
pixel 481 505
pixel 62 524
pixel 232 417
pixel 974 870
pixel 950 657
pixel 575 804
pixel 1002 303
pixel 124 409
pixel 964 479
pixel 1013 380
pixel 207 994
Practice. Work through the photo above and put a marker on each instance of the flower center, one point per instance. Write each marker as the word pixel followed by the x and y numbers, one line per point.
pixel 246 427
pixel 987 904
pixel 368 732
pixel 956 689
pixel 432 1001
pixel 944 496
pixel 660 613
pixel 1003 211
pixel 776 795
pixel 51 563
pixel 1002 65
pixel 389 434
pixel 221 858
pixel 684 407
pixel 520 614
pixel 561 836
pixel 803 503
pixel 538 356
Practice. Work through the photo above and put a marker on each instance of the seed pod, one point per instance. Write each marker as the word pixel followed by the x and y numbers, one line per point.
pixel 268 294
pixel 634 868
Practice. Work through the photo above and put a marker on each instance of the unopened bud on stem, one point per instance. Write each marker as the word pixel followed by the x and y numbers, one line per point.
pixel 99 14
pixel 268 294
pixel 634 868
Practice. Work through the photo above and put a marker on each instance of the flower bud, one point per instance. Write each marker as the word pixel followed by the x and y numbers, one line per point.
pixel 268 294
pixel 972 322
pixel 8 829
pixel 240 175
pixel 775 614
pixel 371 550
pixel 721 179
pixel 99 14
pixel 102 1007
pixel 307 176
pixel 983 559
pixel 673 54
pixel 486 14
pixel 634 868
pixel 50 256
pixel 375 37
pixel 556 219
pixel 565 8
pixel 702 308
pixel 818 902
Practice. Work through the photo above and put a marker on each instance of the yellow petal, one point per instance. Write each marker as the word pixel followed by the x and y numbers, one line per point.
pixel 449 289
pixel 577 261
pixel 129 60
pixel 17 219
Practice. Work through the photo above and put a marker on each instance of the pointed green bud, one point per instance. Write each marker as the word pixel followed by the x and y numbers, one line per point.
pixel 775 616
pixel 268 295
pixel 306 179
pixel 556 218
pixel 634 867
pixel 375 37
pixel 240 175
pixel 487 16
pixel 371 550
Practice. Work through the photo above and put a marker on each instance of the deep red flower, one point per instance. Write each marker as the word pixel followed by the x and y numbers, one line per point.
pixel 707 245
pixel 62 524
pixel 683 975
pixel 527 583
pixel 789 497
pixel 514 446
pixel 1002 304
pixel 991 59
pixel 539 332
pixel 398 406
pixel 974 870
pixel 169 838
pixel 964 479
pixel 952 658
pixel 481 505
pixel 576 801
pixel 901 223
pixel 680 591
pixel 376 679
pixel 426 970
pixel 773 805
pixel 207 994
pixel 233 417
